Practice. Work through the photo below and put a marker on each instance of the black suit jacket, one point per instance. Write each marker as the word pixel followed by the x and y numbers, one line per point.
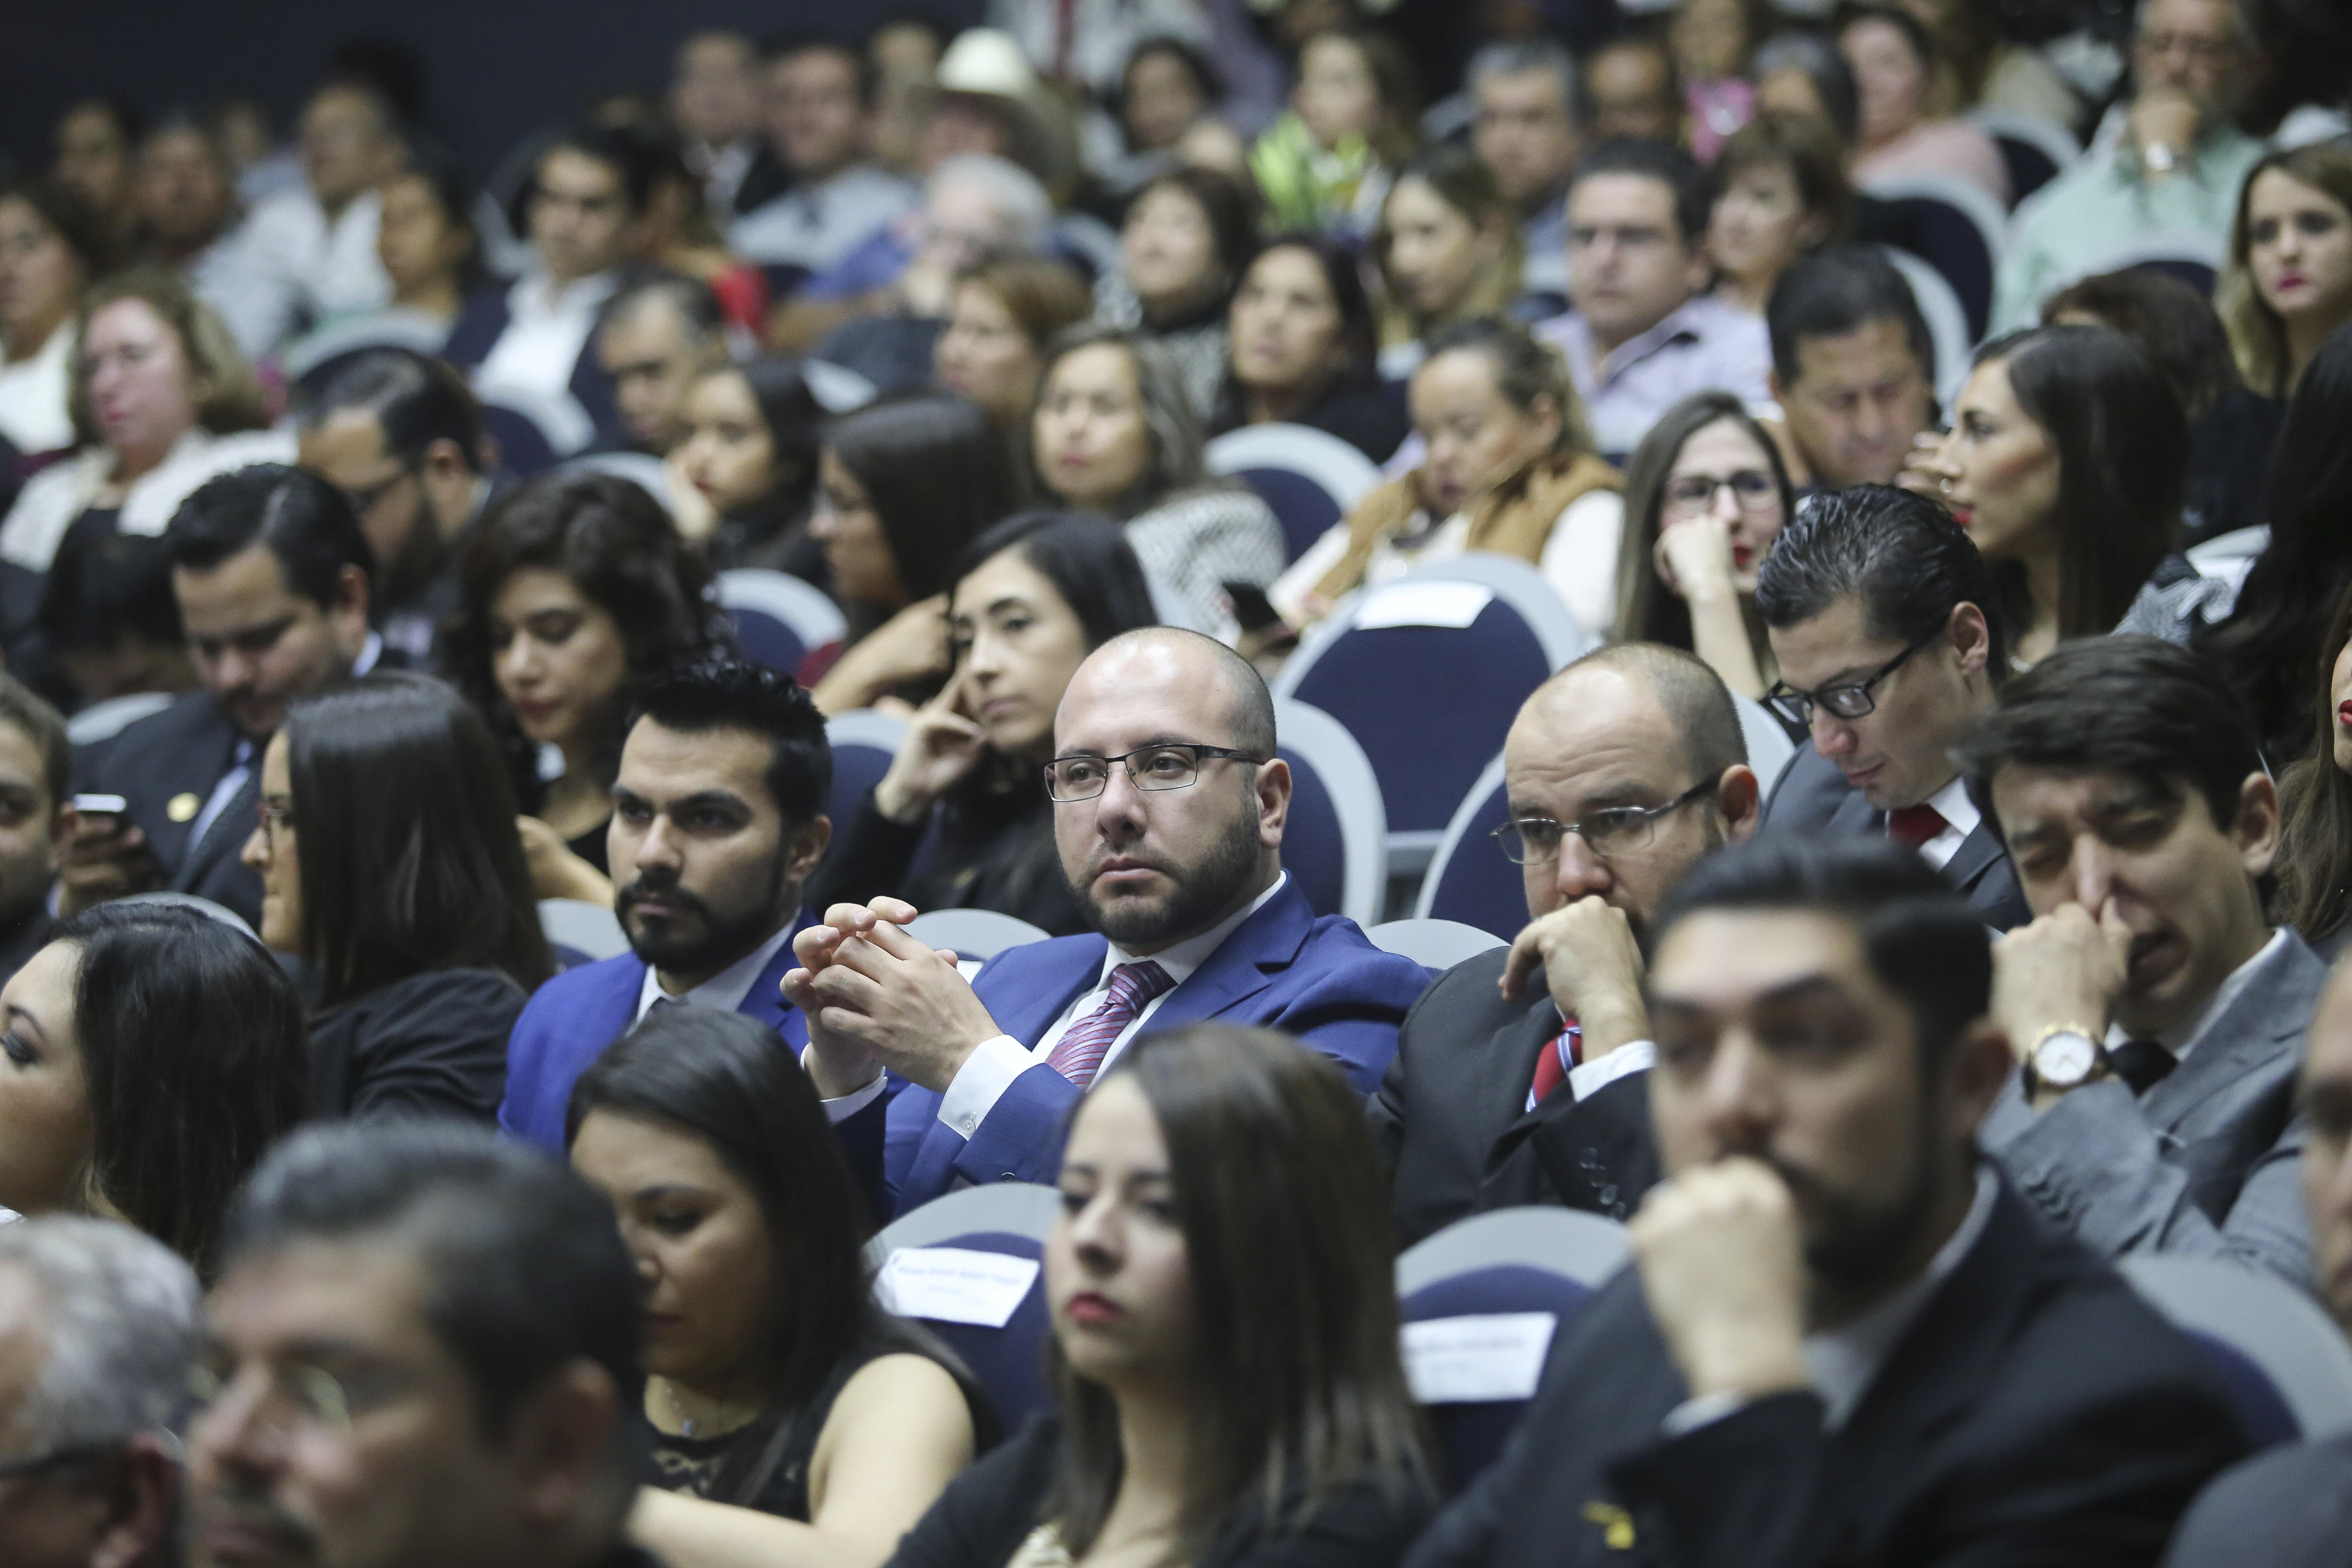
pixel 2035 1412
pixel 171 756
pixel 432 1045
pixel 2290 1508
pixel 1812 797
pixel 1452 1120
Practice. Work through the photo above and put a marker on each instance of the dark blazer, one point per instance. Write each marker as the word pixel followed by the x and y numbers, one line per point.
pixel 1452 1120
pixel 432 1045
pixel 2035 1412
pixel 1284 968
pixel 178 755
pixel 1812 797
pixel 483 320
pixel 2206 1161
pixel 2290 1508
pixel 981 1521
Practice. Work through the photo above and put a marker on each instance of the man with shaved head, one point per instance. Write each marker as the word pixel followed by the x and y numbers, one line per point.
pixel 1520 1079
pixel 1169 806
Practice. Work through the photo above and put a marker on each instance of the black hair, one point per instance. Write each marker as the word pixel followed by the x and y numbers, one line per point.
pixel 634 158
pixel 2174 324
pixel 691 298
pixel 1900 553
pixel 1233 225
pixel 1205 75
pixel 390 70
pixel 106 587
pixel 1646 608
pixel 1090 562
pixel 1359 330
pixel 1915 37
pixel 727 1081
pixel 733 694
pixel 777 47
pixel 194 1059
pixel 794 418
pixel 433 167
pixel 40 723
pixel 936 472
pixel 526 1270
pixel 410 857
pixel 2132 705
pixel 415 400
pixel 69 217
pixel 1836 290
pixel 1817 55
pixel 1693 194
pixel 1921 939
pixel 302 519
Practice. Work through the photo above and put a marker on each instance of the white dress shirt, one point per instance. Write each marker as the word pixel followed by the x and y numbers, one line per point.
pixel 1960 818
pixel 59 493
pixel 547 325
pixel 330 265
pixel 33 416
pixel 993 1066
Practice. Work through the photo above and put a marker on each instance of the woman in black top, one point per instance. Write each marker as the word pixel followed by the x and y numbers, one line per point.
pixel 1306 350
pixel 573 590
pixel 748 468
pixel 390 863
pixel 775 1383
pixel 1224 1353
pixel 961 819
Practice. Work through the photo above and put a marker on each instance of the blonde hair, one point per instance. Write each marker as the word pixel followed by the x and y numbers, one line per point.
pixel 2257 336
pixel 226 394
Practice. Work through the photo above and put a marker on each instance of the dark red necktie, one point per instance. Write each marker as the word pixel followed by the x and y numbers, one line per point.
pixel 1912 825
pixel 1562 1052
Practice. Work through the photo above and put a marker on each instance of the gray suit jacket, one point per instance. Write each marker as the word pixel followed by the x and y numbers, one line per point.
pixel 1812 797
pixel 2205 1163
pixel 2291 1507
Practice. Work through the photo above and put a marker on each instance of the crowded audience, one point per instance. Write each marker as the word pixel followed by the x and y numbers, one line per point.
pixel 806 678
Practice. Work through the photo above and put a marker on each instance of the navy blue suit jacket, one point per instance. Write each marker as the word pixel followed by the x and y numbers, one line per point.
pixel 1284 968
pixel 483 320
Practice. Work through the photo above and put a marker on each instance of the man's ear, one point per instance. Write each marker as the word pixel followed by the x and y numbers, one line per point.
pixel 1739 795
pixel 560 1444
pixel 2258 824
pixel 1970 637
pixel 808 843
pixel 1980 1063
pixel 1274 784
pixel 137 1488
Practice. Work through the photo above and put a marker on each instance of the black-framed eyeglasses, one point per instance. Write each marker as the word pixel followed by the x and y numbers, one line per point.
pixel 1619 830
pixel 1169 766
pixel 363 502
pixel 1752 489
pixel 55 1459
pixel 1852 700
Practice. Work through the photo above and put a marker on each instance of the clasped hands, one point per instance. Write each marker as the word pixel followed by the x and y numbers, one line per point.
pixel 876 997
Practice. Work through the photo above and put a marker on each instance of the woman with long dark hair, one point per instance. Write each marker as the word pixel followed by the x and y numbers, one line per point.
pixel 775 1383
pixel 748 467
pixel 2066 462
pixel 1306 350
pixel 2314 857
pixel 571 591
pixel 959 821
pixel 1450 250
pixel 902 487
pixel 1225 1355
pixel 391 865
pixel 154 1056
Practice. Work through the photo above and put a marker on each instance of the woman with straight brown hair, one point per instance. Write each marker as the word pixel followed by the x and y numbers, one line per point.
pixel 1225 1355
pixel 2314 857
pixel 2288 283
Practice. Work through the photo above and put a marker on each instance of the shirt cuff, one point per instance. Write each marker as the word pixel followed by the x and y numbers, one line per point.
pixel 857 1099
pixel 981 1081
pixel 1707 1409
pixel 1589 1079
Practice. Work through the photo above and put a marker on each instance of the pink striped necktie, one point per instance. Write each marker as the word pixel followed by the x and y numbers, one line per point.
pixel 1078 1054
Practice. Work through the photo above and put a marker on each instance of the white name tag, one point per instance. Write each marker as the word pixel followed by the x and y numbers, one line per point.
pixel 1465 1361
pixel 1449 604
pixel 955 1285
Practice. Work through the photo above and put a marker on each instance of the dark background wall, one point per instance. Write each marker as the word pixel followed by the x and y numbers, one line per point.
pixel 495 68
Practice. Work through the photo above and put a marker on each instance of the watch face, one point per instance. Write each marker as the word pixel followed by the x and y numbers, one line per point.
pixel 2065 1060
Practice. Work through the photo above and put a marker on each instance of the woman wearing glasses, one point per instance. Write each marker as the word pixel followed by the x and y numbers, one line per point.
pixel 391 864
pixel 1706 495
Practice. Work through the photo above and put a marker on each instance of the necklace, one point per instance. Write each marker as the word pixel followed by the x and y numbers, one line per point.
pixel 719 1418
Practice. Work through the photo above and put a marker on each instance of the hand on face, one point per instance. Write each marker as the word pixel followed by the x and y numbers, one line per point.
pixel 869 987
pixel 1593 967
pixel 941 748
pixel 1694 557
pixel 2066 968
pixel 1723 1270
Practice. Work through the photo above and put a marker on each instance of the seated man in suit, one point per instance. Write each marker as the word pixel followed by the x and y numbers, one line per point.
pixel 1843 1339
pixel 1622 769
pixel 717 818
pixel 1168 811
pixel 2292 1507
pixel 271 572
pixel 1887 627
pixel 586 219
pixel 2158 1016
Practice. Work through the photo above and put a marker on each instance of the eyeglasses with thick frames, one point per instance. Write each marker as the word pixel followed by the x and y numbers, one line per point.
pixel 1853 701
pixel 1751 489
pixel 1619 830
pixel 1169 766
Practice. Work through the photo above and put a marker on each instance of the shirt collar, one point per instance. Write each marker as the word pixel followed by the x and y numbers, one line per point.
pixel 1953 804
pixel 371 652
pixel 1686 322
pixel 725 990
pixel 1180 959
pixel 537 292
pixel 1842 1361
pixel 2185 1035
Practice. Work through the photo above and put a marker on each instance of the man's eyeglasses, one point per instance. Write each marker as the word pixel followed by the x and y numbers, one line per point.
pixel 1852 700
pixel 1170 766
pixel 298 1397
pixel 1619 830
pixel 1691 494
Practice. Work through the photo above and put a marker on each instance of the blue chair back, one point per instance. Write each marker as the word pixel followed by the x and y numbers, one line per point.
pixel 2030 168
pixel 1307 478
pixel 1334 845
pixel 524 448
pixel 766 640
pixel 2189 270
pixel 863 742
pixel 1469 880
pixel 1471 1434
pixel 1314 846
pixel 1305 509
pixel 1953 227
pixel 1010 1362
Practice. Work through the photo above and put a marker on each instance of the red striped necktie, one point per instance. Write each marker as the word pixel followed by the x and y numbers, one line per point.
pixel 1562 1052
pixel 1912 825
pixel 1078 1054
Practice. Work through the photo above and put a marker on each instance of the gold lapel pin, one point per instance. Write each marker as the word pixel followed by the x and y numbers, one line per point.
pixel 184 807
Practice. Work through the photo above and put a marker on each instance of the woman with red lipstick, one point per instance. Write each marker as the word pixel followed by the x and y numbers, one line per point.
pixel 774 1383
pixel 572 590
pixel 1225 1355
pixel 1706 495
pixel 2066 461
pixel 2289 281
pixel 959 822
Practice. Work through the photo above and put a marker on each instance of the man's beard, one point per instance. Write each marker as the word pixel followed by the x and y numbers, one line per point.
pixel 1201 895
pixel 418 562
pixel 1859 1250
pixel 722 941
